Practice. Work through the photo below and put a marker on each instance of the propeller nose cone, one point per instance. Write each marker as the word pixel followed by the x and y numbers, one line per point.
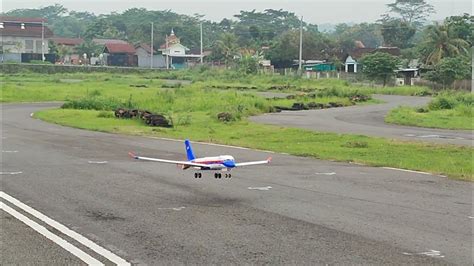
pixel 229 163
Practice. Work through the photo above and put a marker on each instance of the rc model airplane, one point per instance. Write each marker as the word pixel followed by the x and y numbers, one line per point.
pixel 222 163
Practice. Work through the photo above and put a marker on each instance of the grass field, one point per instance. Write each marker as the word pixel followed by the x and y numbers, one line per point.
pixel 448 160
pixel 447 110
pixel 30 87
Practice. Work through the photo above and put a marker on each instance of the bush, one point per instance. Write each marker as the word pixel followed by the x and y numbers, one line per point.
pixel 105 114
pixel 356 144
pixel 93 103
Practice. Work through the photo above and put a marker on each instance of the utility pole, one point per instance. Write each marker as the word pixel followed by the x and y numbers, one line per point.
pixel 167 52
pixel 301 46
pixel 151 50
pixel 42 40
pixel 201 45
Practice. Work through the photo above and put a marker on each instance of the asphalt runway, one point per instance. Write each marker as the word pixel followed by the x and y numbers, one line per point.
pixel 367 120
pixel 293 211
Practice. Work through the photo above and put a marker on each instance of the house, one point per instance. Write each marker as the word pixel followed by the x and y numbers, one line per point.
pixel 144 53
pixel 318 66
pixel 119 53
pixel 407 76
pixel 176 54
pixel 24 39
pixel 351 60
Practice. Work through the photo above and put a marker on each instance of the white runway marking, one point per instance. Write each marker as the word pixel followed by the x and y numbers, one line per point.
pixel 330 173
pixel 260 188
pixel 174 209
pixel 405 170
pixel 56 239
pixel 32 114
pixel 11 173
pixel 431 253
pixel 97 162
pixel 9 151
pixel 470 217
pixel 63 229
pixel 429 136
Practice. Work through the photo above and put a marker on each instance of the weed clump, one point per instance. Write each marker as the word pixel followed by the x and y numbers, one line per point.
pixel 356 144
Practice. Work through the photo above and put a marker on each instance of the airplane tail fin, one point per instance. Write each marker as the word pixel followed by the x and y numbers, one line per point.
pixel 189 150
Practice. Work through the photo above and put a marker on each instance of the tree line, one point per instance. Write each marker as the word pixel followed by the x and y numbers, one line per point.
pixel 274 34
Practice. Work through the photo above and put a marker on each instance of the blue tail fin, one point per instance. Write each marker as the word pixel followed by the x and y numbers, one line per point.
pixel 189 150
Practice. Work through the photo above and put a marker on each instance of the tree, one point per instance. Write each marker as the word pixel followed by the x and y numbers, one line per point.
pixel 450 69
pixel 49 12
pixel 345 36
pixel 103 28
pixel 461 27
pixel 248 64
pixel 89 48
pixel 413 12
pixel 227 47
pixel 286 49
pixel 63 51
pixel 379 66
pixel 397 32
pixel 441 43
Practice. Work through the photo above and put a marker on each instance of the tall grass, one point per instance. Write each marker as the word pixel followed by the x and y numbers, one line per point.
pixel 447 110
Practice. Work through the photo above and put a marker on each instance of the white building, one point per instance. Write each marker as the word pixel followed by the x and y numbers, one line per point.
pixel 24 35
pixel 175 53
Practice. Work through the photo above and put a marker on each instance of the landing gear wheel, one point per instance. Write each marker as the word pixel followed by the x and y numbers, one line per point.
pixel 216 175
pixel 196 175
pixel 199 175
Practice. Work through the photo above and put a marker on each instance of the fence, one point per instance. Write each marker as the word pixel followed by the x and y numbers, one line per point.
pixel 457 85
pixel 51 69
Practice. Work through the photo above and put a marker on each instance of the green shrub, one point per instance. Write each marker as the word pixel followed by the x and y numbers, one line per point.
pixel 94 103
pixel 441 102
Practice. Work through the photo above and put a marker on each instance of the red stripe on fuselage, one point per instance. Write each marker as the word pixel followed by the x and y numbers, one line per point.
pixel 210 162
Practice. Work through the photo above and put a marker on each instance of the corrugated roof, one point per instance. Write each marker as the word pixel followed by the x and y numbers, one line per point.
pixel 145 47
pixel 106 41
pixel 119 48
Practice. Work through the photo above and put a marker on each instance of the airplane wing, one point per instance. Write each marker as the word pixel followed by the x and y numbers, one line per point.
pixel 253 163
pixel 187 163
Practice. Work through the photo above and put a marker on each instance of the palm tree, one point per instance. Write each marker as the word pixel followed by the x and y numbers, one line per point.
pixel 227 46
pixel 440 43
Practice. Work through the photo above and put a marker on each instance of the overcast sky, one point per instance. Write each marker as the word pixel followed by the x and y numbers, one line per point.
pixel 313 11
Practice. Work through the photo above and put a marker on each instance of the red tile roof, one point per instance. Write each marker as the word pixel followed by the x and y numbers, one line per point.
pixel 119 48
pixel 67 41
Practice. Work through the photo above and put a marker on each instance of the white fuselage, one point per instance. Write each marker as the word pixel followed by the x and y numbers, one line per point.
pixel 216 162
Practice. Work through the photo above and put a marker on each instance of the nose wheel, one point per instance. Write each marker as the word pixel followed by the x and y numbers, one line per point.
pixel 197 175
